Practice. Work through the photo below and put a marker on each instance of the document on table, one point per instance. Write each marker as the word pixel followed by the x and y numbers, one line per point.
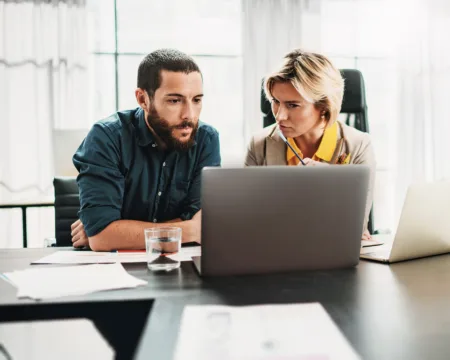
pixel 379 239
pixel 93 257
pixel 44 283
pixel 368 243
pixel 53 340
pixel 266 332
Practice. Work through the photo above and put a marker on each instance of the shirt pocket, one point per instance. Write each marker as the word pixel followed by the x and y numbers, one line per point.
pixel 178 195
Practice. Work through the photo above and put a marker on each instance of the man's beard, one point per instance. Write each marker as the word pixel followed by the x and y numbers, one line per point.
pixel 165 132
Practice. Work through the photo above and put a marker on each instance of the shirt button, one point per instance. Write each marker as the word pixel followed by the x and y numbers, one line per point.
pixel 154 220
pixel 159 194
pixel 164 164
pixel 153 145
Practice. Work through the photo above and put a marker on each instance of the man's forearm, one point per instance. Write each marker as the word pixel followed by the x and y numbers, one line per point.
pixel 129 234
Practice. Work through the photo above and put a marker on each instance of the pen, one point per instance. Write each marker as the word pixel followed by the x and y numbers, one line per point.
pixel 287 143
pixel 127 251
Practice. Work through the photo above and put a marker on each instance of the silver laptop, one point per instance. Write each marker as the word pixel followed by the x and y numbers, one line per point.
pixel 423 229
pixel 261 220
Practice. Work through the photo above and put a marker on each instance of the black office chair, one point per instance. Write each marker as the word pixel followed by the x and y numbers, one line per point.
pixel 67 204
pixel 354 105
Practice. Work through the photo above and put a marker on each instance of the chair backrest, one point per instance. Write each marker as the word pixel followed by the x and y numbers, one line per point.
pixel 266 108
pixel 353 104
pixel 67 204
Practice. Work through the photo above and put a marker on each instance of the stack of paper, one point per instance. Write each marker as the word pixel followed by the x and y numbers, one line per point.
pixel 269 332
pixel 92 257
pixel 53 340
pixel 43 283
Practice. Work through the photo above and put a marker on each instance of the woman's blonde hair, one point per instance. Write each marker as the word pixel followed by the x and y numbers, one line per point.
pixel 316 79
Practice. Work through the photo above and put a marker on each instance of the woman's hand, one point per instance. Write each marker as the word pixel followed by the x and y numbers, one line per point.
pixel 311 162
pixel 366 235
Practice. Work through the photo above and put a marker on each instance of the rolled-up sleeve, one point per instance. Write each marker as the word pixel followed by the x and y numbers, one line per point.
pixel 210 156
pixel 100 181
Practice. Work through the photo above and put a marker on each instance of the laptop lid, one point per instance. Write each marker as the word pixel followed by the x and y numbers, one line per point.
pixel 270 219
pixel 424 225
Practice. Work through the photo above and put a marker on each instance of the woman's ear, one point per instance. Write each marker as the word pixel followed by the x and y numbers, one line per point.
pixel 324 113
pixel 321 106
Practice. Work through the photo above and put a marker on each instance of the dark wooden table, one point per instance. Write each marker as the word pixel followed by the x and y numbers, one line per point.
pixel 119 315
pixel 401 311
pixel 176 283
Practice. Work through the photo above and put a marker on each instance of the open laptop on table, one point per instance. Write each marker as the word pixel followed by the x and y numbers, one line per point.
pixel 271 219
pixel 423 229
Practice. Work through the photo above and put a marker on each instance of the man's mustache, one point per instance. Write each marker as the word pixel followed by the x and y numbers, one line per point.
pixel 184 124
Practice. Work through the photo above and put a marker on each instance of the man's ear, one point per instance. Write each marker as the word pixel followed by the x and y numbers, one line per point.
pixel 142 99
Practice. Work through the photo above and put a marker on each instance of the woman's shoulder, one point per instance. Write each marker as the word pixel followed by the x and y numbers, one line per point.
pixel 358 144
pixel 354 137
pixel 262 134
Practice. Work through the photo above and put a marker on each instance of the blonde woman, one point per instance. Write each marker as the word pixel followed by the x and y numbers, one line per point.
pixel 306 96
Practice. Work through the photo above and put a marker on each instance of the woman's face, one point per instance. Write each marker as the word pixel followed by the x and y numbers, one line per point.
pixel 294 115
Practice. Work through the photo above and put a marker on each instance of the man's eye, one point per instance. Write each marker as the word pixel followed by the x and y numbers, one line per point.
pixel 274 101
pixel 174 101
pixel 198 101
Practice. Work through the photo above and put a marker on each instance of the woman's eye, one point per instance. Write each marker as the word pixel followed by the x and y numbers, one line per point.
pixel 292 106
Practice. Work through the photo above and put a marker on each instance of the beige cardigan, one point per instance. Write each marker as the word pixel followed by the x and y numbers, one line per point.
pixel 267 148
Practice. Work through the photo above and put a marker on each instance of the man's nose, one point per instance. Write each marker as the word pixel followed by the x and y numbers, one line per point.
pixel 188 111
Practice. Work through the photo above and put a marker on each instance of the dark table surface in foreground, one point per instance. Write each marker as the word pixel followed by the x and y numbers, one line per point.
pixel 399 311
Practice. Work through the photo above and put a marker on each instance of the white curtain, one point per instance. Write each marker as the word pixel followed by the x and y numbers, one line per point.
pixel 423 117
pixel 271 28
pixel 43 79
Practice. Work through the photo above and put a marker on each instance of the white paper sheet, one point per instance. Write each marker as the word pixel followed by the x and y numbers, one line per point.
pixel 43 283
pixel 379 239
pixel 92 257
pixel 54 340
pixel 267 332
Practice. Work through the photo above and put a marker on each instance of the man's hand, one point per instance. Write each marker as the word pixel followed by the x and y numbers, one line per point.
pixel 366 235
pixel 193 231
pixel 79 237
pixel 311 162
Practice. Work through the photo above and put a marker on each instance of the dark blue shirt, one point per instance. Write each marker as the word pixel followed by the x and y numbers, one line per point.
pixel 124 175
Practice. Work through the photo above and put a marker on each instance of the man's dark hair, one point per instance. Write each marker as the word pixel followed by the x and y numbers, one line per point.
pixel 149 72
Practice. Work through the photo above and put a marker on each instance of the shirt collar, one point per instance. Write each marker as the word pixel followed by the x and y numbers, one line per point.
pixel 328 144
pixel 145 136
pixel 326 148
pixel 290 154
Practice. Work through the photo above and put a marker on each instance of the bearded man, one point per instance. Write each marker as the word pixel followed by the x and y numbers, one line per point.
pixel 141 168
